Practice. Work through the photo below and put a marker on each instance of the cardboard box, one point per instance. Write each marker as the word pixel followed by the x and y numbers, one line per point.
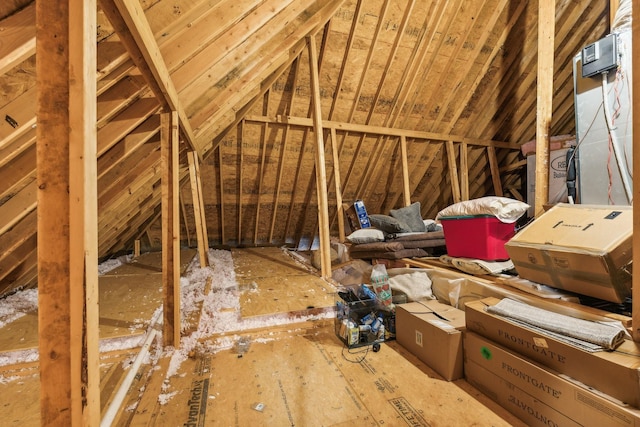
pixel 569 398
pixel 432 331
pixel 477 236
pixel 580 248
pixel 357 216
pixel 521 404
pixel 616 373
pixel 557 178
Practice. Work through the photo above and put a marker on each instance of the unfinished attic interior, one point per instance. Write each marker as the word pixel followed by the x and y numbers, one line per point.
pixel 179 238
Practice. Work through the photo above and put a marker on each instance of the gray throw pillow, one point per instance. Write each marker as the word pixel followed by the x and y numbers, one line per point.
pixel 366 235
pixel 388 224
pixel 411 216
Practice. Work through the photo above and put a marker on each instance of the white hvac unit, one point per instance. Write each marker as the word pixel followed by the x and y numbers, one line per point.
pixel 602 90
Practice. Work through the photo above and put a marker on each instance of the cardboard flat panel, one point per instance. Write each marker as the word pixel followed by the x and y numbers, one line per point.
pixel 519 403
pixel 616 373
pixel 583 405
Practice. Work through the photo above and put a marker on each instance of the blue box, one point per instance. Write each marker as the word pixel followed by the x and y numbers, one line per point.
pixel 357 216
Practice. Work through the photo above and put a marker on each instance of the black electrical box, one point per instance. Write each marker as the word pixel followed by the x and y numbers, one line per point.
pixel 600 56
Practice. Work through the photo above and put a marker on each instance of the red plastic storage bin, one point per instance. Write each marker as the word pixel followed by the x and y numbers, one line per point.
pixel 477 236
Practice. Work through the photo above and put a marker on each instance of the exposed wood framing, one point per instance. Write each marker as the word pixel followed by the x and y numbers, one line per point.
pixel 405 171
pixel 19 38
pixel 371 178
pixel 67 233
pixel 442 70
pixel 130 23
pixel 381 130
pixel 614 5
pixel 223 236
pixel 338 184
pixel 464 171
pixel 263 155
pixel 635 57
pixel 453 171
pixel 203 216
pixel 289 46
pixel 198 208
pixel 183 213
pixel 18 207
pixel 495 171
pixel 136 248
pixel 321 173
pixel 240 200
pixel 170 229
pixel 546 28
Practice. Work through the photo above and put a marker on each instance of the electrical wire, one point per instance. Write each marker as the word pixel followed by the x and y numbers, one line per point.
pixel 623 78
pixel 358 360
pixel 614 142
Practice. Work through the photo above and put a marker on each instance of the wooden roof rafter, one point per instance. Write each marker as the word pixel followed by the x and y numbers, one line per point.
pixel 295 68
pixel 381 148
pixel 213 116
pixel 21 31
pixel 415 63
pixel 129 21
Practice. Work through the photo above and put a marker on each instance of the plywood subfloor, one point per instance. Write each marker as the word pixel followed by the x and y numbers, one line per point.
pixel 128 295
pixel 311 380
pixel 20 390
pixel 292 374
pixel 272 282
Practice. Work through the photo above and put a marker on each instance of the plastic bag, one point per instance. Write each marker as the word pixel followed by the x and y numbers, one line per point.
pixel 380 282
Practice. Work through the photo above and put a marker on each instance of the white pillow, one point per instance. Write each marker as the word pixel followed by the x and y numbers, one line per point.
pixel 505 209
pixel 366 235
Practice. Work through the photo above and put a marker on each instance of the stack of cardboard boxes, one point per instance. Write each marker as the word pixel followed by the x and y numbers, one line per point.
pixel 545 381
pixel 542 380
